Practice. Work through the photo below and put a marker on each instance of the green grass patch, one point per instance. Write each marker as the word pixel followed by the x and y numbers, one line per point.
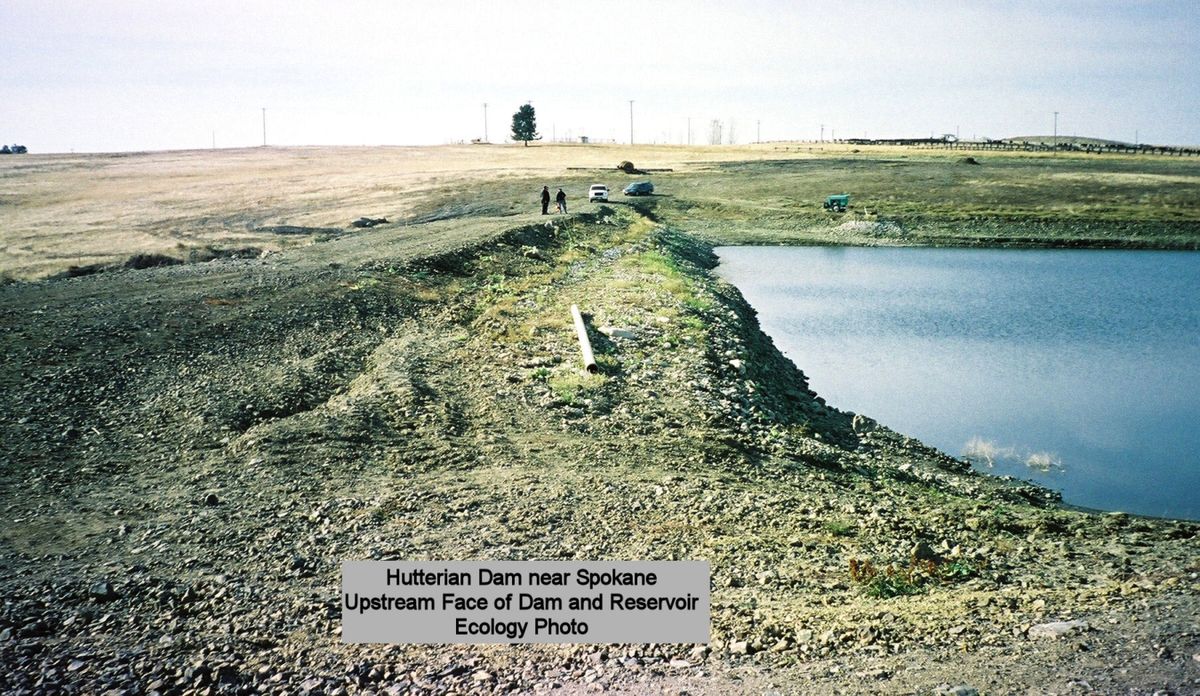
pixel 841 528
pixel 572 386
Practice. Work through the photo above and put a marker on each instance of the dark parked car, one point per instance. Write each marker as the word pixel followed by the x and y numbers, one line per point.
pixel 639 188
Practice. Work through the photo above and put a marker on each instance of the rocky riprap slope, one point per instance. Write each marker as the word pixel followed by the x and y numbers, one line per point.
pixel 190 452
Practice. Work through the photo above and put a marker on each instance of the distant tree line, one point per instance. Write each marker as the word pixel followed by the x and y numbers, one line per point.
pixel 13 150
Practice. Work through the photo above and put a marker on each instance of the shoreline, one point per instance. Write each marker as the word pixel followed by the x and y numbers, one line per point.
pixel 850 308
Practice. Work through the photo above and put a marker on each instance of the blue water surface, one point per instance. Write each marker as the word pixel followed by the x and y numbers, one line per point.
pixel 1077 369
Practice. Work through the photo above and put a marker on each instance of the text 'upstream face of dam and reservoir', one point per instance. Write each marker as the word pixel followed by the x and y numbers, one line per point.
pixel 434 602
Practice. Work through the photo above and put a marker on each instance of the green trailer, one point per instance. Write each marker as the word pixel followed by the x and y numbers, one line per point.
pixel 837 203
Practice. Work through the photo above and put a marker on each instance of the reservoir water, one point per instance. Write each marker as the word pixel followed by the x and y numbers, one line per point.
pixel 1079 370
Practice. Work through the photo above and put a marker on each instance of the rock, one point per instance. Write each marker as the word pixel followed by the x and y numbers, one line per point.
pixel 739 647
pixel 922 551
pixel 102 591
pixel 211 500
pixel 958 690
pixel 680 664
pixel 1057 629
pixel 75 665
pixel 368 222
pixel 482 676
pixel 613 332
pixel 226 674
pixel 861 424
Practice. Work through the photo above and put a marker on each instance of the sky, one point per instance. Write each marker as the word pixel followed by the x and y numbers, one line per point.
pixel 115 75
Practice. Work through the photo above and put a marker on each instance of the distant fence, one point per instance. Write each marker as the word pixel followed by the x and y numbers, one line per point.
pixel 1027 146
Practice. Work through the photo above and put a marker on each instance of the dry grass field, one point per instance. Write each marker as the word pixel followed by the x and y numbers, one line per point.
pixel 59 211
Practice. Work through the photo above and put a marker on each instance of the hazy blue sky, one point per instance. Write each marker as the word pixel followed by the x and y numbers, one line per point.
pixel 139 74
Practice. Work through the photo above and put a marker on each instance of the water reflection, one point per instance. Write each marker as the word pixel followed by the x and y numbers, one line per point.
pixel 1083 364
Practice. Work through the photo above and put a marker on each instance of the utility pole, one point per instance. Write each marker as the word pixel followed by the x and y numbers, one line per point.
pixel 630 121
pixel 214 140
pixel 485 137
pixel 758 131
pixel 689 130
pixel 264 110
pixel 822 132
pixel 1055 130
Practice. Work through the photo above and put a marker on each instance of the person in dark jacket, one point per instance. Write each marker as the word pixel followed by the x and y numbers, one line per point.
pixel 545 200
pixel 561 199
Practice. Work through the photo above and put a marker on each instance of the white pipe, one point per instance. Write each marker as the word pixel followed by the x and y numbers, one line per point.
pixel 589 361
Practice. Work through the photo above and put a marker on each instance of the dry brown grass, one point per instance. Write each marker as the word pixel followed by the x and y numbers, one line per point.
pixel 62 210
pixel 58 211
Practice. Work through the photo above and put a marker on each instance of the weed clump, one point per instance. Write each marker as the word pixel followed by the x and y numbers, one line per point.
pixel 896 581
pixel 884 583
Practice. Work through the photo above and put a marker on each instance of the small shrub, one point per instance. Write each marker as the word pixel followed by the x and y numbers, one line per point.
pixel 886 586
pixel 886 583
pixel 957 570
pixel 895 581
pixel 840 528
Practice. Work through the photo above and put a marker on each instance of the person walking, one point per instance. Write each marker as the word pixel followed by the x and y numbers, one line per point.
pixel 561 198
pixel 545 200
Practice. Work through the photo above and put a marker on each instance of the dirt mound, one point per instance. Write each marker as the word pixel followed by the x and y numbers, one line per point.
pixel 140 261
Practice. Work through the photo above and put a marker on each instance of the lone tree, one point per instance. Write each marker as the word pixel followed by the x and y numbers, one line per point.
pixel 524 126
